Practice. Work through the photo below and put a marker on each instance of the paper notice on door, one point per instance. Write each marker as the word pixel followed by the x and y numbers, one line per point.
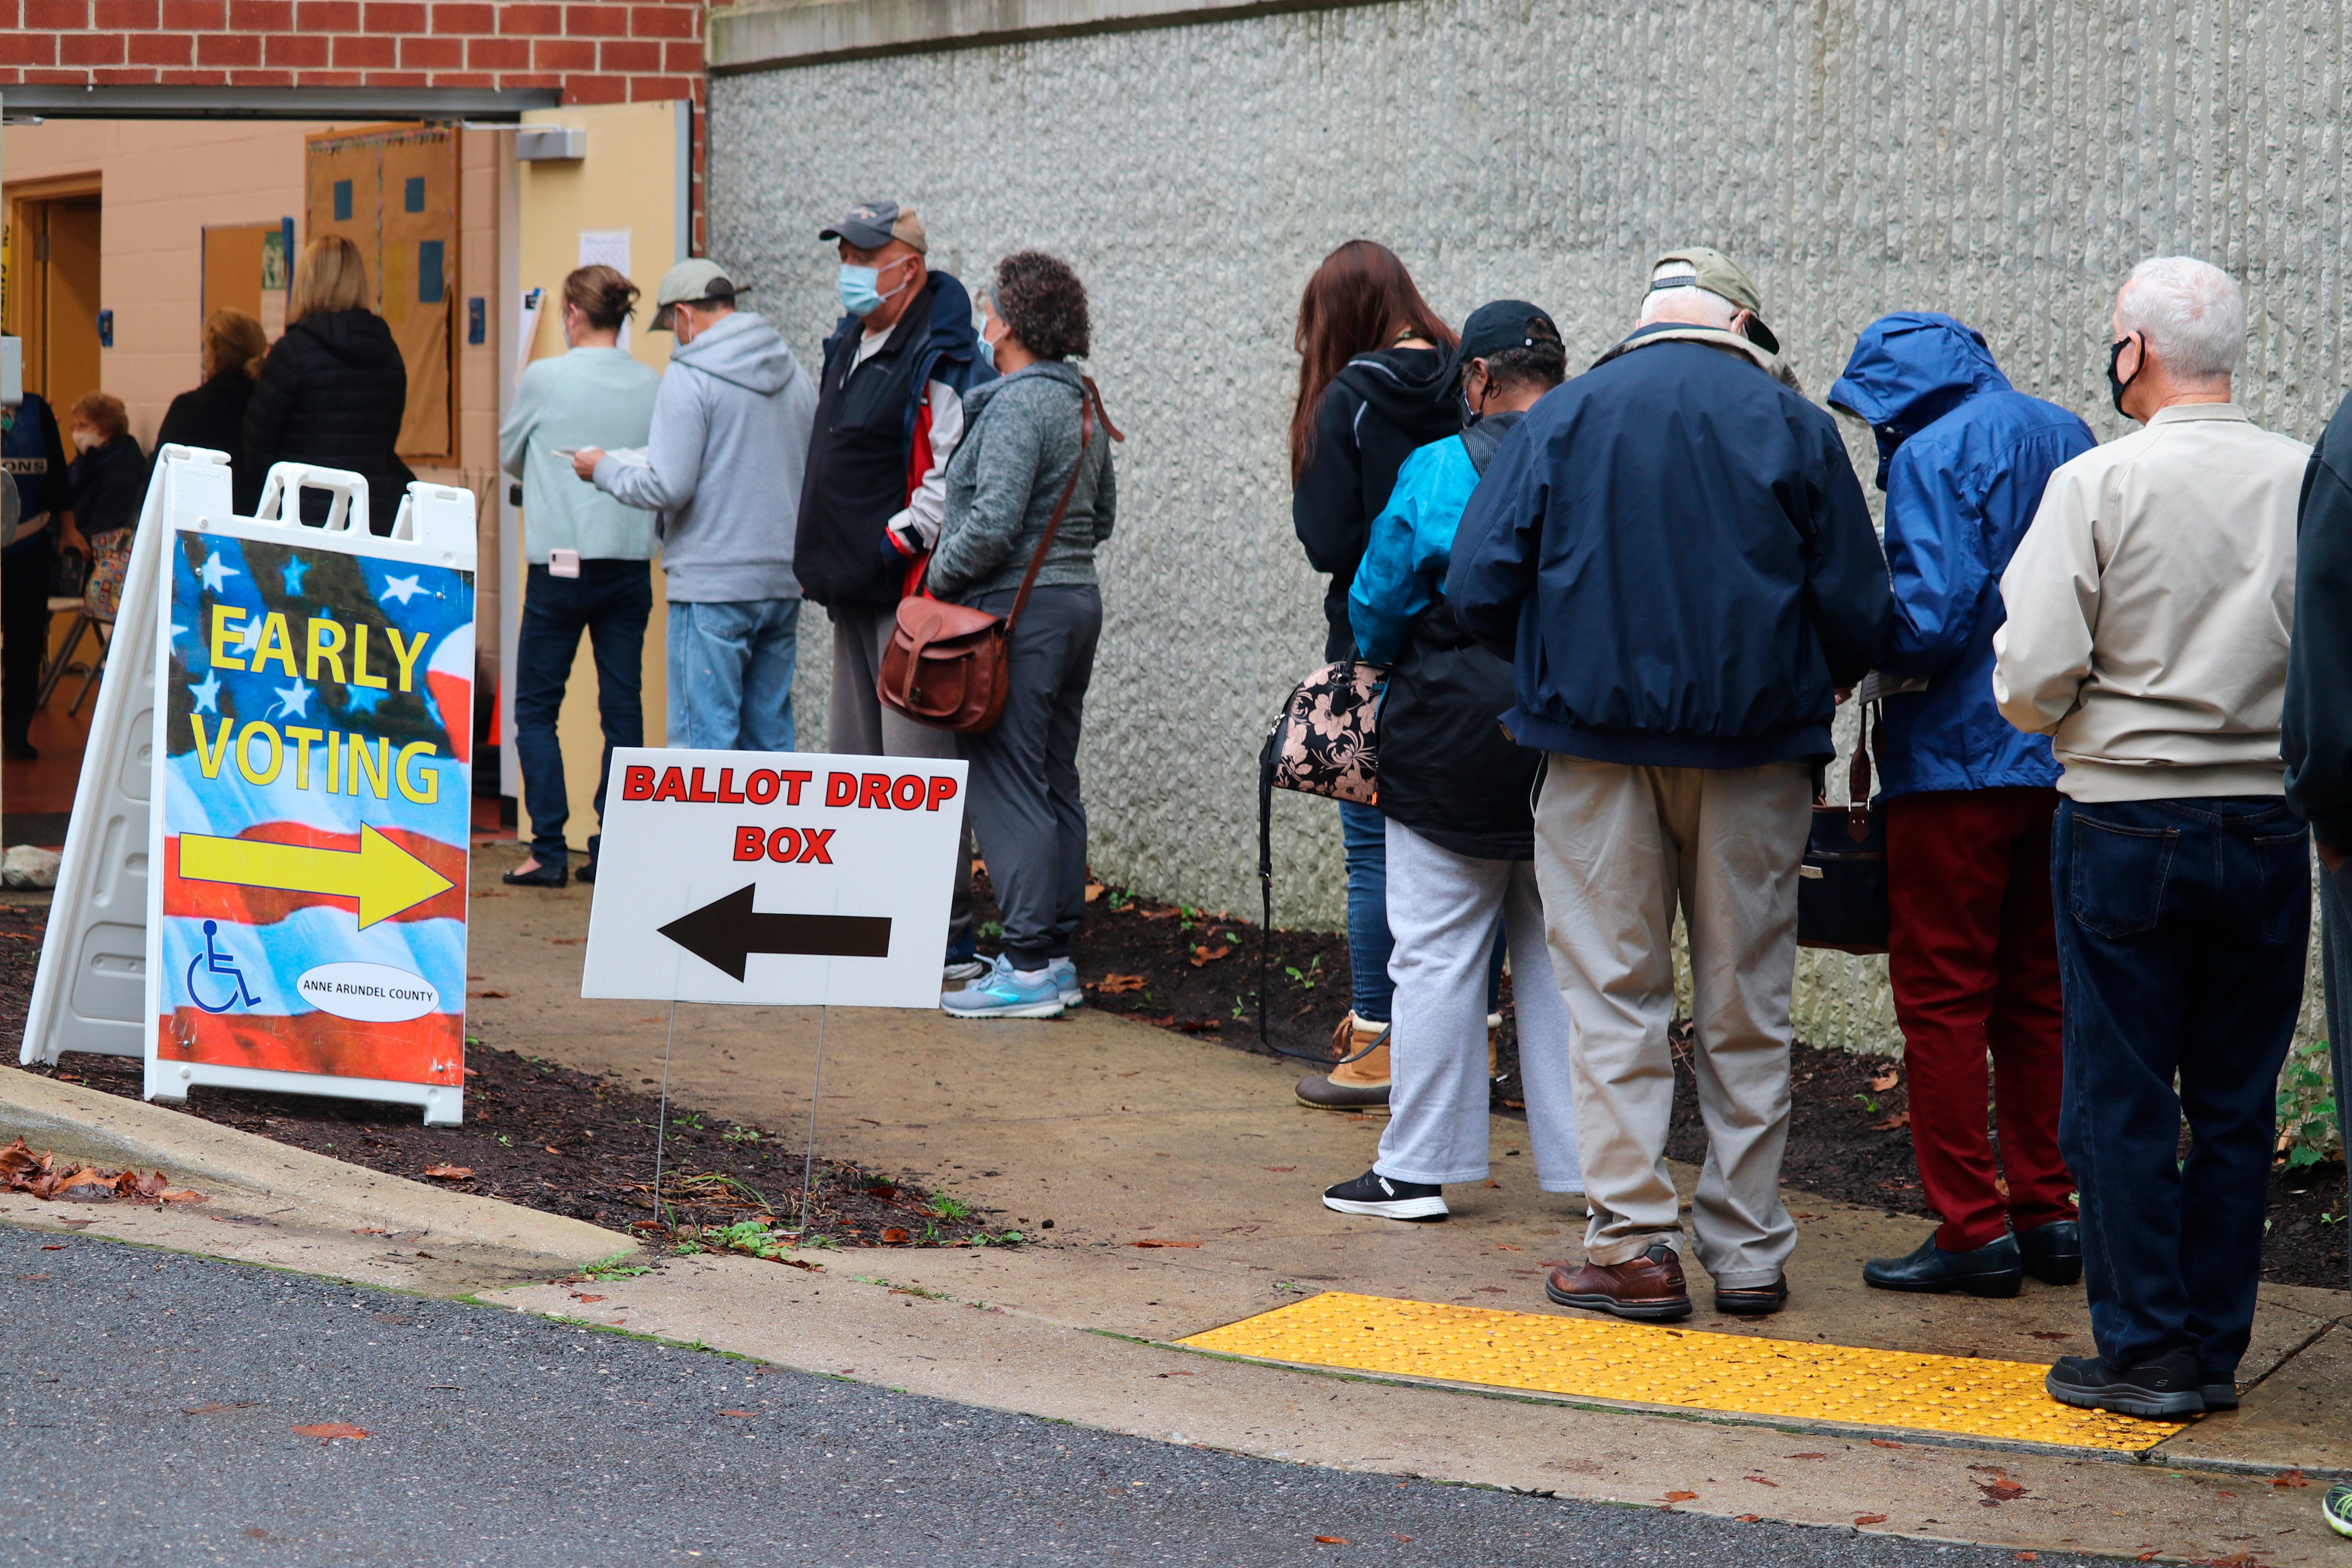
pixel 607 247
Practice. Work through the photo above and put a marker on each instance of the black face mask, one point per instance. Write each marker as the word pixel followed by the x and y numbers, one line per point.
pixel 2117 385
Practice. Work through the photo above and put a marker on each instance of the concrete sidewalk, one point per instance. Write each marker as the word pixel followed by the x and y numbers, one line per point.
pixel 1120 1135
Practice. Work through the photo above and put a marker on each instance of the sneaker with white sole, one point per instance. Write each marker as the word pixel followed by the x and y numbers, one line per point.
pixel 1385 1197
pixel 1065 977
pixel 1005 993
pixel 2337 1508
pixel 963 971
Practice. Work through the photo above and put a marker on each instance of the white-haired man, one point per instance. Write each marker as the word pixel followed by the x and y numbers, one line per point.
pixel 2149 611
pixel 1685 711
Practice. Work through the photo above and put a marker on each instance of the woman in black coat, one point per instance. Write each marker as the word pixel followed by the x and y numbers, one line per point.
pixel 333 390
pixel 212 416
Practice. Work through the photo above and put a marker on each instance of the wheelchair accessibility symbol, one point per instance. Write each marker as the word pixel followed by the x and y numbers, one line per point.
pixel 213 961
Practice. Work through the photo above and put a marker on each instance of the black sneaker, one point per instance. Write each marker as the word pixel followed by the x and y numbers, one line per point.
pixel 1374 1194
pixel 2219 1395
pixel 2157 1390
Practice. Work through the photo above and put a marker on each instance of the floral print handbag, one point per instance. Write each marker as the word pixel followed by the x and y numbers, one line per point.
pixel 1326 741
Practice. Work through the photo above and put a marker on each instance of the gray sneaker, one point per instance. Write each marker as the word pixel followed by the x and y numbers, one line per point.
pixel 1065 977
pixel 963 971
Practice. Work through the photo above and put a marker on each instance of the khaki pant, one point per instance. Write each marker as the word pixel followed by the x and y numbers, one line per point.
pixel 1616 849
pixel 858 725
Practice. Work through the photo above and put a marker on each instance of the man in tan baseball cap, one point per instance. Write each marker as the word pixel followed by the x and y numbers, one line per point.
pixel 1704 267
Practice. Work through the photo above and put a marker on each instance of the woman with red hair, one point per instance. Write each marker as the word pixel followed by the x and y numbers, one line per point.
pixel 1374 384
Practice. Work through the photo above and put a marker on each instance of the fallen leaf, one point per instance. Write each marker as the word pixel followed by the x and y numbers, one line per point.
pixel 1870 1519
pixel 1175 1375
pixel 551 1148
pixel 1506 1247
pixel 578 1297
pixel 1886 1077
pixel 1204 956
pixel 1094 892
pixel 1680 1497
pixel 740 1414
pixel 2028 1557
pixel 1494 1289
pixel 1113 984
pixel 2289 1479
pixel 1281 1170
pixel 1885 1443
pixel 1900 1119
pixel 489 995
pixel 1809 1455
pixel 328 1431
pixel 1749 1518
pixel 1761 1482
pixel 1154 1243
pixel 1497 1185
pixel 2145 1557
pixel 214 1406
pixel 1330 1540
pixel 32 1277
pixel 448 1173
pixel 895 1234
pixel 55 1246
pixel 2001 1490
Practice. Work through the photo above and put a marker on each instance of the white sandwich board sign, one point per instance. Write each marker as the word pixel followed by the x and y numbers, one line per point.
pixel 264 883
pixel 774 878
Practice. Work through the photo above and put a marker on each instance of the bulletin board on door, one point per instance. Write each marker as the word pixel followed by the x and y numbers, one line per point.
pixel 393 193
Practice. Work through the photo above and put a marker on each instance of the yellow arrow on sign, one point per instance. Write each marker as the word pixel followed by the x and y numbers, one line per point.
pixel 385 878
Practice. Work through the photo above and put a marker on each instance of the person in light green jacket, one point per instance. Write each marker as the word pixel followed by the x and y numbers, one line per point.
pixel 588 556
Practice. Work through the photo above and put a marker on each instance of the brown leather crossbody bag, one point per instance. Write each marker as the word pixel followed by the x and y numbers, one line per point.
pixel 948 666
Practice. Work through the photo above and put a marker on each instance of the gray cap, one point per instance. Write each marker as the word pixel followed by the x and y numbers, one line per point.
pixel 690 283
pixel 870 226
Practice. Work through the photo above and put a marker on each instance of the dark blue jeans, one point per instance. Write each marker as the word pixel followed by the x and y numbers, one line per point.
pixel 2182 927
pixel 610 600
pixel 2336 969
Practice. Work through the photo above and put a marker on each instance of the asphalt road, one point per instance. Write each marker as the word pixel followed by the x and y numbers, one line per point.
pixel 150 1402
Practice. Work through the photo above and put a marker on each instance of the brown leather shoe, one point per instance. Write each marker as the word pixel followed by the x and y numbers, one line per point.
pixel 1648 1288
pixel 1753 1301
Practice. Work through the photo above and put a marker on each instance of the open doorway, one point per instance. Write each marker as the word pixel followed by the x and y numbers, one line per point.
pixel 53 294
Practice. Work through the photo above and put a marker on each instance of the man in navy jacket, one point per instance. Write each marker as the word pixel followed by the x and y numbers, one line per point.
pixel 1674 550
pixel 1969 801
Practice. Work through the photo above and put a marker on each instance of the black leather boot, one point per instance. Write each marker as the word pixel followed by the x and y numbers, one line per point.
pixel 1993 1270
pixel 2053 1252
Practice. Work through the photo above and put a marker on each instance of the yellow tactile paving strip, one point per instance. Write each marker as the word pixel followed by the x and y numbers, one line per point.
pixel 1640 1364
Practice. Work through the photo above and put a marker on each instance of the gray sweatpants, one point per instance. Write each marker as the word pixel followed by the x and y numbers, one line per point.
pixel 860 726
pixel 1442 911
pixel 1617 848
pixel 1025 807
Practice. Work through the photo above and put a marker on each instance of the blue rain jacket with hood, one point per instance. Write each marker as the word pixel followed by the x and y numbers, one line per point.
pixel 1963 457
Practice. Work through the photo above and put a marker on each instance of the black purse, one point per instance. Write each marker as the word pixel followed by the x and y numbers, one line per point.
pixel 1842 883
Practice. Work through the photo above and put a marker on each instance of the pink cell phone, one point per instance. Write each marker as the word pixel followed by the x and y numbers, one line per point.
pixel 563 564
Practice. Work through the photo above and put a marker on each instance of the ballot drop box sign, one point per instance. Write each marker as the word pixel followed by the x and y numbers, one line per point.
pixel 774 878
pixel 313 714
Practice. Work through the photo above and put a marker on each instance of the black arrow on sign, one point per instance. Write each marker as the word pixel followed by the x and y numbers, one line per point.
pixel 724 932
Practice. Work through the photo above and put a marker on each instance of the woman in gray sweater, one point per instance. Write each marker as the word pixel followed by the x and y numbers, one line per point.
pixel 1022 443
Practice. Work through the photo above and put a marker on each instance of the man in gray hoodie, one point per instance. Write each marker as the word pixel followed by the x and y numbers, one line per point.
pixel 731 431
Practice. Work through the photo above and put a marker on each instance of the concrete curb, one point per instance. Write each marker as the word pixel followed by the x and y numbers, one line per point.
pixel 107 1130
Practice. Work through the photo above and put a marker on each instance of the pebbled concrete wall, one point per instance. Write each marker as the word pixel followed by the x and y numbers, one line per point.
pixel 2003 161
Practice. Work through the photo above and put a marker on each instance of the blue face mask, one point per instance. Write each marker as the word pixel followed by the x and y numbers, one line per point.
pixel 987 349
pixel 860 295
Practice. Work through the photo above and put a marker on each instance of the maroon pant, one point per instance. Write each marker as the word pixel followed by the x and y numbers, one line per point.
pixel 1974 963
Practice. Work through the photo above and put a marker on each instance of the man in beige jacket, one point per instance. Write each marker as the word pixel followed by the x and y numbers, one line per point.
pixel 2149 608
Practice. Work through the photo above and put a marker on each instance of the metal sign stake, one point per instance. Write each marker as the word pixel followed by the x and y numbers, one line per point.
pixel 661 1117
pixel 808 1156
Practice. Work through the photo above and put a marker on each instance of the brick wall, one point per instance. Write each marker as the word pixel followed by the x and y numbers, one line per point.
pixel 611 53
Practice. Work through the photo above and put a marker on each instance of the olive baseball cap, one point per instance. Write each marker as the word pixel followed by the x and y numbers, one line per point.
pixel 870 226
pixel 1712 270
pixel 690 283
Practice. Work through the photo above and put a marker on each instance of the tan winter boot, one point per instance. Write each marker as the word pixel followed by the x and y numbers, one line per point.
pixel 1494 1040
pixel 1350 1085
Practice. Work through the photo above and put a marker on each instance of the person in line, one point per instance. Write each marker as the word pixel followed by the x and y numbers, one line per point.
pixel 1686 715
pixel 1022 442
pixel 2151 607
pixel 586 557
pixel 334 391
pixel 1374 385
pixel 1963 459
pixel 731 427
pixel 1454 791
pixel 211 416
pixel 2315 742
pixel 896 372
pixel 32 447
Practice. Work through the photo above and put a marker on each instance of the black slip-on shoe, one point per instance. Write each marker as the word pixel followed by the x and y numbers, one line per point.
pixel 1752 1300
pixel 22 752
pixel 1993 1270
pixel 586 874
pixel 2052 1253
pixel 2160 1390
pixel 540 876
pixel 1387 1198
pixel 2219 1395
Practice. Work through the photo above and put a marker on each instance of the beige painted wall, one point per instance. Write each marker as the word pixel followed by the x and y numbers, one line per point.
pixel 628 180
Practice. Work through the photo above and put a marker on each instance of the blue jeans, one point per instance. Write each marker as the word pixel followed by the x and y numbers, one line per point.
pixel 2336 969
pixel 731 674
pixel 610 600
pixel 2183 926
pixel 1365 833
